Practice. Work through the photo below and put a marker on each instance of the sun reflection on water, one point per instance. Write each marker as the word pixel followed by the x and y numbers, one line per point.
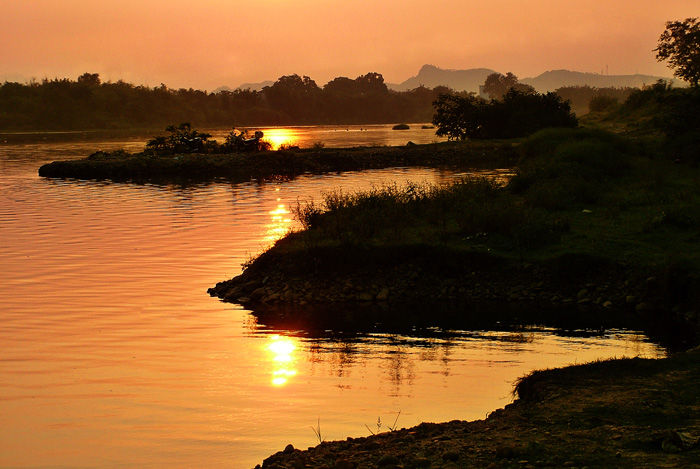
pixel 281 350
pixel 280 223
pixel 280 136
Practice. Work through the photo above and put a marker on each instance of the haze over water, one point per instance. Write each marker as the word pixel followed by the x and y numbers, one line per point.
pixel 113 354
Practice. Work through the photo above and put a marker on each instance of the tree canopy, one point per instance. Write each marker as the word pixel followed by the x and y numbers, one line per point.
pixel 679 44
pixel 89 103
pixel 497 85
pixel 518 114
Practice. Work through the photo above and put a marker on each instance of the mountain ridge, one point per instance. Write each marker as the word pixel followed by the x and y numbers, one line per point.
pixel 470 79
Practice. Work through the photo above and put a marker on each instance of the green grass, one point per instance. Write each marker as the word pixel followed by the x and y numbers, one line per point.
pixel 579 196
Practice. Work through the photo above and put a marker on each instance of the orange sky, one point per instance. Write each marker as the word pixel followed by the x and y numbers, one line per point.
pixel 209 43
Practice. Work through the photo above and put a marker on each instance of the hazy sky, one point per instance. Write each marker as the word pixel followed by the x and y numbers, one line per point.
pixel 205 44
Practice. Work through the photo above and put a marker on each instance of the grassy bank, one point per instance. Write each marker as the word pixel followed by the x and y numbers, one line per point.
pixel 590 218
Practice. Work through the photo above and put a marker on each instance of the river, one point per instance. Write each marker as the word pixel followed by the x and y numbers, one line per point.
pixel 114 355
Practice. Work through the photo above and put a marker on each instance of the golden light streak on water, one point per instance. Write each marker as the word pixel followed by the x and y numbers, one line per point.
pixel 280 136
pixel 281 350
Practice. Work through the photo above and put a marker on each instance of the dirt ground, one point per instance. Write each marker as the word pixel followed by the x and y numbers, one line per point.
pixel 615 413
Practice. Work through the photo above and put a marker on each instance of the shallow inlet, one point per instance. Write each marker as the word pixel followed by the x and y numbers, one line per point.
pixel 114 354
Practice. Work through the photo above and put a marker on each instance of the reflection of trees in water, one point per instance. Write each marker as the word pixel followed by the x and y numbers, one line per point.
pixel 349 347
pixel 396 356
pixel 400 369
pixel 341 356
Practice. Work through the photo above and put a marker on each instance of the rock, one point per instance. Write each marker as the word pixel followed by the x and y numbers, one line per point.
pixel 274 298
pixel 289 449
pixel 388 460
pixel 450 456
pixel 675 441
pixel 258 293
pixel 643 307
pixel 421 462
pixel 383 294
pixel 582 294
pixel 506 451
pixel 364 297
pixel 630 299
pixel 343 464
pixel 234 294
pixel 607 304
pixel 288 296
pixel 252 285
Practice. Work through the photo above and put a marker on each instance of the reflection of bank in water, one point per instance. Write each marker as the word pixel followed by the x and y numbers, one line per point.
pixel 454 344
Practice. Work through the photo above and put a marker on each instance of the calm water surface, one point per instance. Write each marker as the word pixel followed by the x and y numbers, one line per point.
pixel 113 354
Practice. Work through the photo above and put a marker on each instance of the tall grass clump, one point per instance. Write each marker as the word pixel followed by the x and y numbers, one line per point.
pixel 564 168
pixel 427 213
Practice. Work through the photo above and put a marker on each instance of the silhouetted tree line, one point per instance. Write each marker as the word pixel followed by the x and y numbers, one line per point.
pixel 517 114
pixel 88 103
pixel 582 98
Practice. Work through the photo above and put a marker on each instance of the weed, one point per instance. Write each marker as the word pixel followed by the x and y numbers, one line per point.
pixel 379 425
pixel 317 431
pixel 393 427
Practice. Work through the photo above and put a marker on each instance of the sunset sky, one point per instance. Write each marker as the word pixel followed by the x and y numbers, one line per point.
pixel 211 43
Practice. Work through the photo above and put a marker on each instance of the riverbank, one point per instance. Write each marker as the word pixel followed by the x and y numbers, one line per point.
pixel 236 167
pixel 590 219
pixel 617 413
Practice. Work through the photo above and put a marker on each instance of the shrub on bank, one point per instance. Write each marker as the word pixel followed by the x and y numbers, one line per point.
pixel 466 210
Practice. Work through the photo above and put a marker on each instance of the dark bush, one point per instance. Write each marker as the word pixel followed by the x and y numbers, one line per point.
pixel 518 114
pixel 564 168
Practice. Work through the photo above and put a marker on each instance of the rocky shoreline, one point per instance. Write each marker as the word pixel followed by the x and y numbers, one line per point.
pixel 276 281
pixel 617 413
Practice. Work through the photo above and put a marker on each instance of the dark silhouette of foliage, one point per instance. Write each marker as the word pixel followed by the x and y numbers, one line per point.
pixel 675 112
pixel 582 97
pixel 89 103
pixel 182 139
pixel 679 44
pixel 518 114
pixel 497 85
pixel 602 103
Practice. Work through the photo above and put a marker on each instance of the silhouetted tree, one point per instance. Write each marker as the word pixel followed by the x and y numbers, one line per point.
pixel 517 115
pixel 680 45
pixel 295 96
pixel 497 85
pixel 92 79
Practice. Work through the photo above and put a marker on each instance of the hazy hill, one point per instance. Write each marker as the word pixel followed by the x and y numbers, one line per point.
pixel 245 86
pixel 431 76
pixel 553 79
pixel 470 79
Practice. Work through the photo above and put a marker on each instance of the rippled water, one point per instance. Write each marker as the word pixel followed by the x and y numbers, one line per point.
pixel 114 355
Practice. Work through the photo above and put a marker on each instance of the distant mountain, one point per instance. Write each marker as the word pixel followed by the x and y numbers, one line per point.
pixel 431 76
pixel 256 86
pixel 245 86
pixel 553 79
pixel 470 79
